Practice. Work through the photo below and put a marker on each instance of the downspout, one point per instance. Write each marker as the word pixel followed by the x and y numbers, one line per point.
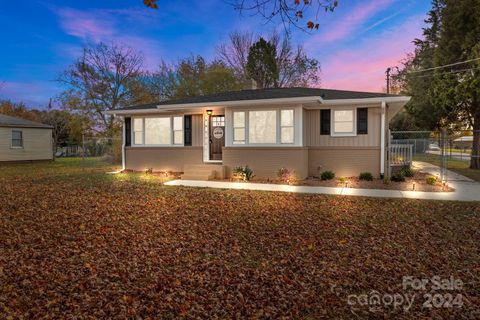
pixel 123 143
pixel 382 139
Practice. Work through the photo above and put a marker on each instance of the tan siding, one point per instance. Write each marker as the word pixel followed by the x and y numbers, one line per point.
pixel 162 158
pixel 314 139
pixel 345 162
pixel 266 161
pixel 37 144
pixel 197 130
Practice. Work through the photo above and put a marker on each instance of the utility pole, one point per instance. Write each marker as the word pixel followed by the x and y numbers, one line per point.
pixel 388 72
pixel 388 79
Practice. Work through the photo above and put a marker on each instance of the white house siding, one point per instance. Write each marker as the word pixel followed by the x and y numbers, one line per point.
pixel 37 144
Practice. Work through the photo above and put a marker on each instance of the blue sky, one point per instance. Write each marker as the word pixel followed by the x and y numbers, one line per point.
pixel 40 38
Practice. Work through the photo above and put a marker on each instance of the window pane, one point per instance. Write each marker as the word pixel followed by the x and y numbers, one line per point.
pixel 138 124
pixel 344 115
pixel 177 123
pixel 239 119
pixel 137 137
pixel 344 127
pixel 262 127
pixel 238 134
pixel 17 143
pixel 157 130
pixel 287 135
pixel 286 118
pixel 17 135
pixel 178 137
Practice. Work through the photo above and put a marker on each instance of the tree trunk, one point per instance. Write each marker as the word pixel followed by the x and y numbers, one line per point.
pixel 475 159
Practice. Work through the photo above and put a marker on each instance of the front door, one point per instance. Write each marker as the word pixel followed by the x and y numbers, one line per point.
pixel 217 136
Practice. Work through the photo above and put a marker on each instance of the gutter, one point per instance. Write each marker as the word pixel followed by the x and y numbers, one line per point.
pixel 239 103
pixel 382 139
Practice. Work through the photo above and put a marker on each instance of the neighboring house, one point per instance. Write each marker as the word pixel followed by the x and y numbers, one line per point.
pixel 303 129
pixel 465 142
pixel 24 140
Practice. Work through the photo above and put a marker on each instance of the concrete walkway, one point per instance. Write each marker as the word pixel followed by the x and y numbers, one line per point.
pixel 435 171
pixel 464 191
pixel 465 188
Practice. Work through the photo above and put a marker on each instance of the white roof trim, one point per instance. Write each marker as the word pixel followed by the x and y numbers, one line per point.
pixel 239 103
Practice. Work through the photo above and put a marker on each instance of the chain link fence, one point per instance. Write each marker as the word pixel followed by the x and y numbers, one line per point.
pixel 450 151
pixel 110 149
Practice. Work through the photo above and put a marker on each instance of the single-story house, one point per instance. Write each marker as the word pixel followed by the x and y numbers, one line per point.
pixel 24 140
pixel 307 130
pixel 465 142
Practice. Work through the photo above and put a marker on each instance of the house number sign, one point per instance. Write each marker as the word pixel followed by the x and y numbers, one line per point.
pixel 218 133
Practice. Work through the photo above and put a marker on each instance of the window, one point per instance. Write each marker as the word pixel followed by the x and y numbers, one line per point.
pixel 218 121
pixel 286 124
pixel 177 130
pixel 239 127
pixel 17 139
pixel 262 127
pixel 138 131
pixel 157 131
pixel 343 122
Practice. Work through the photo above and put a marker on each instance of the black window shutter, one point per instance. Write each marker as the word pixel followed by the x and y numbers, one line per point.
pixel 128 132
pixel 325 122
pixel 362 121
pixel 187 130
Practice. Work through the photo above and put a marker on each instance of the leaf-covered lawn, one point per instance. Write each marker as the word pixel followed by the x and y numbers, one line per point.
pixel 78 243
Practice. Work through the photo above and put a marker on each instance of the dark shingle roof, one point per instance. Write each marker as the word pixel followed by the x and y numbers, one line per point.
pixel 8 121
pixel 260 94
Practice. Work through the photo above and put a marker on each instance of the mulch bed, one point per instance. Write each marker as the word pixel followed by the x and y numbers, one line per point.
pixel 355 182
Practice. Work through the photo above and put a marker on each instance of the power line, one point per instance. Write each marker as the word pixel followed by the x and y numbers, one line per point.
pixel 447 72
pixel 445 66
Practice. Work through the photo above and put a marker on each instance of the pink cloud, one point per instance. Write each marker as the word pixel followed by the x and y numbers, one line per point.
pixel 106 26
pixel 85 25
pixel 355 19
pixel 363 67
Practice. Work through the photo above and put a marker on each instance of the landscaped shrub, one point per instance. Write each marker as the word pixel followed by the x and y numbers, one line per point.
pixel 342 180
pixel 398 177
pixel 408 172
pixel 327 175
pixel 367 176
pixel 285 175
pixel 244 173
pixel 431 180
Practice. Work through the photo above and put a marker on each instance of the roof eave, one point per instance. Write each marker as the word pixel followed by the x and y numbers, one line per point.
pixel 240 103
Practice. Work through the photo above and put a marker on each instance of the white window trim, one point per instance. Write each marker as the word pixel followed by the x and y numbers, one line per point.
pixel 11 140
pixel 332 122
pixel 277 134
pixel 292 126
pixel 244 141
pixel 297 126
pixel 172 132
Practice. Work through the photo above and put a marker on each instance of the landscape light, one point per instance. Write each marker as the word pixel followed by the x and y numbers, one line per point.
pixel 413 186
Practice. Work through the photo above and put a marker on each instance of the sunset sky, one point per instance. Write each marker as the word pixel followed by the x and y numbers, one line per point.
pixel 40 38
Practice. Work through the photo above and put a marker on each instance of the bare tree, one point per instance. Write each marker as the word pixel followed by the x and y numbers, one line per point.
pixel 296 69
pixel 235 53
pixel 290 12
pixel 100 78
pixel 294 66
